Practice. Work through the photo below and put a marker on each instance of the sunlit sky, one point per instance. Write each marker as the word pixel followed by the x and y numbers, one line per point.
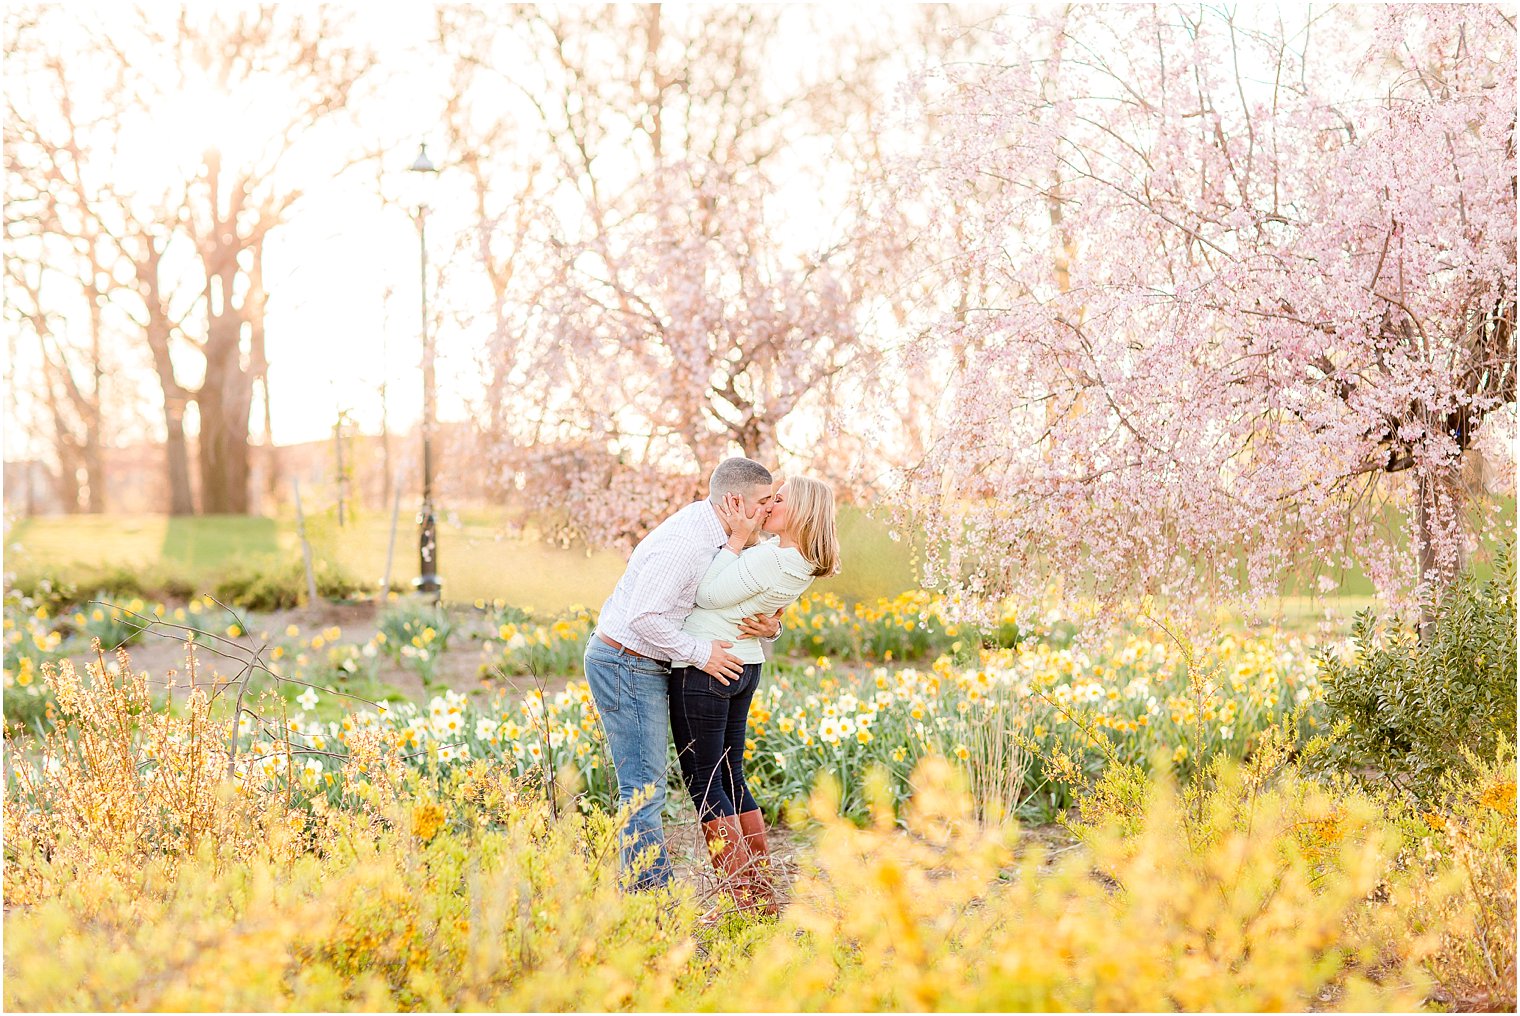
pixel 342 274
pixel 327 269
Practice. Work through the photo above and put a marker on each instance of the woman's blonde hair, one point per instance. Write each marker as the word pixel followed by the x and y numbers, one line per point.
pixel 811 521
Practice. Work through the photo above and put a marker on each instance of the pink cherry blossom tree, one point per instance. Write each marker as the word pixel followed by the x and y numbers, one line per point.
pixel 1254 295
pixel 652 306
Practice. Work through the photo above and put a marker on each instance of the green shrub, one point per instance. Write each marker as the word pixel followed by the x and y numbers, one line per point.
pixel 1402 710
pixel 165 583
pixel 57 589
pixel 119 581
pixel 46 589
pixel 268 584
pixel 263 583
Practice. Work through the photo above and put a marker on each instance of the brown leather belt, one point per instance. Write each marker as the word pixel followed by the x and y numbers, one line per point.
pixel 623 649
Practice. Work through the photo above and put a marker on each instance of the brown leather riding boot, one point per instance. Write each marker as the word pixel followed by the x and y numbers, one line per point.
pixel 752 824
pixel 730 857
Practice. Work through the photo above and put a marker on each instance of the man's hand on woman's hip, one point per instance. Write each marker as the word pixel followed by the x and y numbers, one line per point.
pixel 761 626
pixel 723 665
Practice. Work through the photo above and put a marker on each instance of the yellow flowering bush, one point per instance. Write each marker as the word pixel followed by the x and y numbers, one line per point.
pixel 945 915
pixel 1452 895
pixel 141 875
pixel 116 783
pixel 519 913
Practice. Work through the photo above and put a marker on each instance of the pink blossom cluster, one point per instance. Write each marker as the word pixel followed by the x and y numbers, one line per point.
pixel 1249 295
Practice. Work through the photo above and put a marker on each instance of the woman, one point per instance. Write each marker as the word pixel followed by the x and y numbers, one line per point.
pixel 710 719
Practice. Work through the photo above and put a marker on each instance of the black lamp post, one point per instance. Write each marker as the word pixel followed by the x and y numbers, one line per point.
pixel 427 580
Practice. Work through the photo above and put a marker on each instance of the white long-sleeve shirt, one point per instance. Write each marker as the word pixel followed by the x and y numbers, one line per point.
pixel 761 580
pixel 658 590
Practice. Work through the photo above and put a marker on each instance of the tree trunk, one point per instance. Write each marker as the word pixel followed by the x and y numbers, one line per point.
pixel 253 311
pixel 65 443
pixel 225 399
pixel 76 419
pixel 177 455
pixel 94 476
pixel 275 468
pixel 91 409
pixel 176 399
pixel 757 439
pixel 385 419
pixel 66 489
pixel 1434 579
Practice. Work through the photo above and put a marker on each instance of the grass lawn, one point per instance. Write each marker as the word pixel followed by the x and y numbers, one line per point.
pixel 479 560
pixel 476 557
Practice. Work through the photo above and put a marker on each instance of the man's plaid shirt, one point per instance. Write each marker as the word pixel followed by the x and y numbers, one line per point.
pixel 659 589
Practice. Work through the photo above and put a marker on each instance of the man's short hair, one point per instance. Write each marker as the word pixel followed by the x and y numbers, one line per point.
pixel 737 476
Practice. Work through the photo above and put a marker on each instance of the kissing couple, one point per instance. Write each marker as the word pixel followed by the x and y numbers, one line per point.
pixel 677 649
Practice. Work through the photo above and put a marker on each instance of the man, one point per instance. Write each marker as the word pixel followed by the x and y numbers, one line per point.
pixel 639 632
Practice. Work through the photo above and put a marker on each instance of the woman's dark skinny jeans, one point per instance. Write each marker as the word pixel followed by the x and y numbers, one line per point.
pixel 709 721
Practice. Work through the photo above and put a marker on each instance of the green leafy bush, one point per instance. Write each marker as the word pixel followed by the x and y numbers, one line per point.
pixel 57 589
pixel 271 585
pixel 1402 710
pixel 157 581
pixel 264 583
